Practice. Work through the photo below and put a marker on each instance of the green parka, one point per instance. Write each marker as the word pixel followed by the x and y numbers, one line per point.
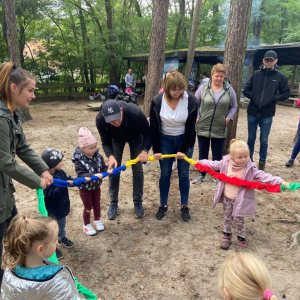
pixel 13 142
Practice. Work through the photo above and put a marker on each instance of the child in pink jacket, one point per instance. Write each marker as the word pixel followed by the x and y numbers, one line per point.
pixel 237 201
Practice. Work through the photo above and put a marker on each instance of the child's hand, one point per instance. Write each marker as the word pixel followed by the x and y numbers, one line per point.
pixel 70 182
pixel 285 183
pixel 99 175
pixel 109 171
pixel 87 179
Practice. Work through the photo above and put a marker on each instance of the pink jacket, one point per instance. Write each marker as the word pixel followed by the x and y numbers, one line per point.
pixel 244 205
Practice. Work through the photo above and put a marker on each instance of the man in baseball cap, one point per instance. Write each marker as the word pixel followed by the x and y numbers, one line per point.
pixel 265 87
pixel 119 122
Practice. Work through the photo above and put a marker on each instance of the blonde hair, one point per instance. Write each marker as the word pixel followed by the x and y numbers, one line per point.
pixel 236 143
pixel 174 80
pixel 9 73
pixel 245 277
pixel 218 68
pixel 21 235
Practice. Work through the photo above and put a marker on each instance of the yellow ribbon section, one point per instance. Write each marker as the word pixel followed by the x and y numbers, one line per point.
pixel 129 163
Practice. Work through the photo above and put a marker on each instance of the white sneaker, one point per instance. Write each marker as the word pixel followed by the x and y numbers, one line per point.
pixel 99 225
pixel 200 178
pixel 89 229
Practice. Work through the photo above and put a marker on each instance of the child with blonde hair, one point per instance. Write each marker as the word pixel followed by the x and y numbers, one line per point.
pixel 28 243
pixel 238 202
pixel 245 277
pixel 89 162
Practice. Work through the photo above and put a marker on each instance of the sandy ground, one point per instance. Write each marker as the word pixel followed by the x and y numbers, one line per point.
pixel 168 259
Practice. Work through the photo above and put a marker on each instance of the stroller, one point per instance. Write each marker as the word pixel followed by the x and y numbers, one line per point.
pixel 129 96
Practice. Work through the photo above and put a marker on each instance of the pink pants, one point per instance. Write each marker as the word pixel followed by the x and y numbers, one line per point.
pixel 228 218
pixel 90 200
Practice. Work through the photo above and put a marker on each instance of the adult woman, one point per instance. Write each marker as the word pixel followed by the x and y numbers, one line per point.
pixel 173 115
pixel 16 90
pixel 217 106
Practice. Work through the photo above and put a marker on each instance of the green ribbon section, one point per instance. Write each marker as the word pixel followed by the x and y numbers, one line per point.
pixel 291 187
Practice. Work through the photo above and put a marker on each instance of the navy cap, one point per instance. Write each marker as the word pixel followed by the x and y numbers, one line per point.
pixel 111 110
pixel 271 55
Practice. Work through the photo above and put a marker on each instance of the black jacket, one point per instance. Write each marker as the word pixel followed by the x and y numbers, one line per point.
pixel 155 123
pixel 134 123
pixel 264 89
pixel 57 199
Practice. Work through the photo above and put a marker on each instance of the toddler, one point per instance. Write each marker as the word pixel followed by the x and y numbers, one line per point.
pixel 57 199
pixel 28 274
pixel 89 162
pixel 238 202
pixel 245 277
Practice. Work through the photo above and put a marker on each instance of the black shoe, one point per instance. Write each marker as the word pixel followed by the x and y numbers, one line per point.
pixel 162 211
pixel 59 255
pixel 261 165
pixel 185 215
pixel 66 242
pixel 290 162
pixel 112 211
pixel 139 210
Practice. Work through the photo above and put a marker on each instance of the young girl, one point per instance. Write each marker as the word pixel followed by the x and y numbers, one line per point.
pixel 28 242
pixel 237 201
pixel 89 162
pixel 245 277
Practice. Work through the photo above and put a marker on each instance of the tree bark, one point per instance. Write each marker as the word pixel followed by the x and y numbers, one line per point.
pixel 157 51
pixel 193 39
pixel 234 57
pixel 113 71
pixel 257 24
pixel 13 49
pixel 181 16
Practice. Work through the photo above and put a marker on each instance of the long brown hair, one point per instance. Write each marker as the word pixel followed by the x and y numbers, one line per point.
pixel 10 73
pixel 20 236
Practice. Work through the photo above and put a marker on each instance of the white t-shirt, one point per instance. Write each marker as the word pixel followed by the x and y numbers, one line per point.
pixel 173 121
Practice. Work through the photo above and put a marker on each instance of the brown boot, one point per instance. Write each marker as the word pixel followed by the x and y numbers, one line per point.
pixel 226 241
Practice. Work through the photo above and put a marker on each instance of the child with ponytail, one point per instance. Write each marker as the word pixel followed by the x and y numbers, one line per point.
pixel 29 242
pixel 245 277
pixel 238 202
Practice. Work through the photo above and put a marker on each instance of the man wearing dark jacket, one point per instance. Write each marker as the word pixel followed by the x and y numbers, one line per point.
pixel 118 123
pixel 265 87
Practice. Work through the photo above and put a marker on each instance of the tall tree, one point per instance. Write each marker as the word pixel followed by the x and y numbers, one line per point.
pixel 234 57
pixel 12 41
pixel 181 17
pixel 157 51
pixel 193 39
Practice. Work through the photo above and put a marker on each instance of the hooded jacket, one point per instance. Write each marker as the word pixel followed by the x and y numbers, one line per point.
pixel 244 205
pixel 264 89
pixel 13 142
pixel 155 123
pixel 47 282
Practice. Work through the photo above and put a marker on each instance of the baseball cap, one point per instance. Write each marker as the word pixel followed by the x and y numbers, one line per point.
pixel 270 54
pixel 111 110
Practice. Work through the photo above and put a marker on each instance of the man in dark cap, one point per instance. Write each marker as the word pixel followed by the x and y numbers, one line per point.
pixel 118 123
pixel 265 87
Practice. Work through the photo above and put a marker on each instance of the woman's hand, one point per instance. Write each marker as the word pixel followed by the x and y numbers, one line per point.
pixel 180 155
pixel 99 175
pixel 112 163
pixel 143 156
pixel 157 156
pixel 47 177
pixel 227 120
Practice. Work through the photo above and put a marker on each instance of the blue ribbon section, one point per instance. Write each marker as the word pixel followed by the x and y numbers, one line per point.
pixel 80 181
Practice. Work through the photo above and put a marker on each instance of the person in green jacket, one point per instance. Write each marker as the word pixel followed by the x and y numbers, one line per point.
pixel 16 90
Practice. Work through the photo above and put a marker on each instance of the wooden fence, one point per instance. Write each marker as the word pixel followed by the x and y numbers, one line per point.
pixel 72 90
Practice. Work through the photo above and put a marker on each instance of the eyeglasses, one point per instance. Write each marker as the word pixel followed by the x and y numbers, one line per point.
pixel 268 60
pixel 176 91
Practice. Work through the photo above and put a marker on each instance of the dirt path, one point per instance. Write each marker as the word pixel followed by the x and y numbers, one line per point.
pixel 168 259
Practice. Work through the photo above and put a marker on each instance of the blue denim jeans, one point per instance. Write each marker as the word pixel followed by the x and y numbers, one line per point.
pixel 296 149
pixel 171 145
pixel 265 128
pixel 61 228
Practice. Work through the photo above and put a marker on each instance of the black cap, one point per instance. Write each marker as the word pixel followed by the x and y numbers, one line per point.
pixel 271 55
pixel 111 110
pixel 52 157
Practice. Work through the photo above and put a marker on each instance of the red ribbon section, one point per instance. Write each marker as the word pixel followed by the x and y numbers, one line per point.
pixel 272 188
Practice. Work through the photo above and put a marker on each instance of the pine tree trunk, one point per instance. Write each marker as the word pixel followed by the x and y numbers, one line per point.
pixel 157 51
pixel 193 40
pixel 13 49
pixel 234 57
